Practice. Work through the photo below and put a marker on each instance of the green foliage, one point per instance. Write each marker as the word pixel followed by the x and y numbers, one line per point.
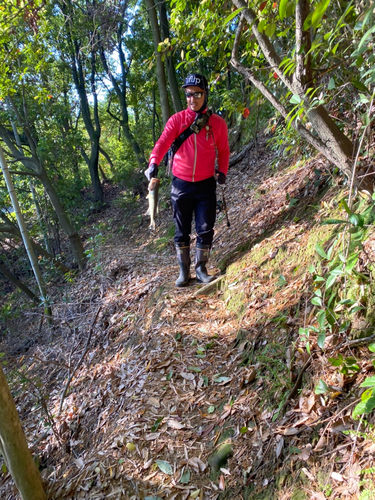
pixel 338 275
pixel 347 365
pixel 367 403
pixel 94 250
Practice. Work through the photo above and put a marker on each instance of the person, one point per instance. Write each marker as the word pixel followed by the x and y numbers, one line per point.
pixel 193 192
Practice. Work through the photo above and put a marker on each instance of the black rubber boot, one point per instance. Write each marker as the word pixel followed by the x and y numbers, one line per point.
pixel 202 253
pixel 183 257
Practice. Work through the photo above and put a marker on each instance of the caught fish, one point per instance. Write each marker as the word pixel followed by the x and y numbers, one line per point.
pixel 153 198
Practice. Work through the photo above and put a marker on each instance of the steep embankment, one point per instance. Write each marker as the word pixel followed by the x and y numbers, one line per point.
pixel 200 392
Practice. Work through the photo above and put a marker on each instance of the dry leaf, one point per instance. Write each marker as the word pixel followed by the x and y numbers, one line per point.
pixel 154 402
pixel 320 444
pixel 79 462
pixel 225 471
pixel 308 474
pixel 174 424
pixel 221 483
pixel 287 431
pixel 306 452
pixel 152 436
pixel 279 447
pixel 194 494
pixel 310 402
pixel 197 464
pixel 337 476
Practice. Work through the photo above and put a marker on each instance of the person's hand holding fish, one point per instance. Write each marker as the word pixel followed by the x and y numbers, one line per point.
pixel 153 198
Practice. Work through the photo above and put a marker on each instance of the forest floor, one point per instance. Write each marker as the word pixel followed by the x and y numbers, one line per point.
pixel 144 391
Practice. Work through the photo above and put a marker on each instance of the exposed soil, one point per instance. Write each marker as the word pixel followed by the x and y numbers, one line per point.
pixel 162 377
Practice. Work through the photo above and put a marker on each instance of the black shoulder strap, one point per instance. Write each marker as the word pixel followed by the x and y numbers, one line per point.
pixel 197 125
pixel 177 143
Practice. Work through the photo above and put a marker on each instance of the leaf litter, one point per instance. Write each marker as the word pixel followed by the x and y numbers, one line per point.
pixel 169 376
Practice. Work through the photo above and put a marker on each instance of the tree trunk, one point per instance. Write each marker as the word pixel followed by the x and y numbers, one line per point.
pixel 329 139
pixel 13 447
pixel 32 189
pixel 11 228
pixel 171 72
pixel 74 239
pixel 160 75
pixel 34 167
pixel 94 170
pixel 24 233
pixel 40 217
pixel 121 95
pixel 13 279
pixel 107 157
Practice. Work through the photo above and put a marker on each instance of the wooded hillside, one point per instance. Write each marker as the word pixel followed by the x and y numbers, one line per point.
pixel 259 385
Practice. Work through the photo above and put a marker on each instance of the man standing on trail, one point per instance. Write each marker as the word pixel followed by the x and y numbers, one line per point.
pixel 194 138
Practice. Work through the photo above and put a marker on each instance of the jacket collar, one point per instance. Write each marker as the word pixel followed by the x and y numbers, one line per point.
pixel 194 113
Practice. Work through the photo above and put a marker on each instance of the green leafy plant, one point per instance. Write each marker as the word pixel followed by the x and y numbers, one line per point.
pixel 367 403
pixel 346 366
pixel 337 275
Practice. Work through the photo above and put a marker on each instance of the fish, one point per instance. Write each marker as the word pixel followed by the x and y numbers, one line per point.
pixel 153 198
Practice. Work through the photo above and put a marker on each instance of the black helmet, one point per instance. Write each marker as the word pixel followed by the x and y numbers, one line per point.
pixel 196 80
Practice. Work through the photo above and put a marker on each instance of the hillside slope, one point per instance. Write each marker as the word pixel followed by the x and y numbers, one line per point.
pixel 199 392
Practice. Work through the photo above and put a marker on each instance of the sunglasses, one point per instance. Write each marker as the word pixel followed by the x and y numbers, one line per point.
pixel 196 95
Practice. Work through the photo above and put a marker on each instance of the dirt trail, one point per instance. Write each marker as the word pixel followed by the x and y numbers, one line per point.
pixel 163 382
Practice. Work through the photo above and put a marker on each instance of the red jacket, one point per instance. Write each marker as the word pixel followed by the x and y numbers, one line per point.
pixel 195 159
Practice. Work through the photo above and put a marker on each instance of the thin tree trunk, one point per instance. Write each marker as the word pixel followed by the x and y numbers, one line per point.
pixel 40 216
pixel 13 447
pixel 160 75
pixel 74 239
pixel 13 279
pixel 79 77
pixel 107 157
pixel 11 228
pixel 35 167
pixel 32 189
pixel 171 72
pixel 329 139
pixel 24 233
pixel 121 95
pixel 153 115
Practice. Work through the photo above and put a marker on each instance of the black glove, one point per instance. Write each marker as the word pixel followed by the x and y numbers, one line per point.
pixel 152 171
pixel 221 178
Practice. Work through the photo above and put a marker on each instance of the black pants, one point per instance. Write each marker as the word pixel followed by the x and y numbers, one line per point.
pixel 189 198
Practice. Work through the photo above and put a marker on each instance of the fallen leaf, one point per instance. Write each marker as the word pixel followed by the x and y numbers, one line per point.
pixel 152 436
pixel 154 402
pixel 187 376
pixel 194 494
pixel 279 447
pixel 221 483
pixel 197 464
pixel 306 452
pixel 320 444
pixel 308 474
pixel 164 467
pixel 225 471
pixel 208 429
pixel 287 431
pixel 79 462
pixel 222 380
pixel 317 495
pixel 174 424
pixel 185 477
pixel 337 476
